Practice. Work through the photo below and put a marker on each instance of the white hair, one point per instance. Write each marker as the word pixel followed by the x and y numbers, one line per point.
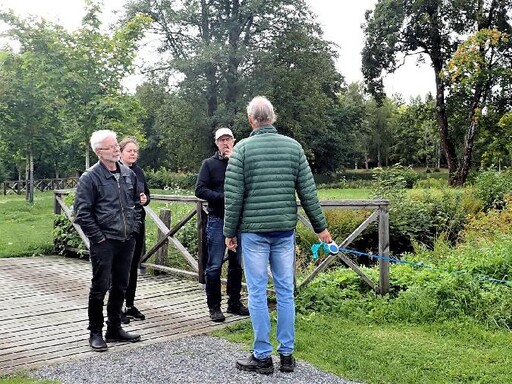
pixel 97 137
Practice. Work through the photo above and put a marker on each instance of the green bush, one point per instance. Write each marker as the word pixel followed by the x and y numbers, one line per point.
pixel 431 183
pixel 420 218
pixel 491 186
pixel 175 181
pixel 455 285
pixel 397 176
pixel 65 237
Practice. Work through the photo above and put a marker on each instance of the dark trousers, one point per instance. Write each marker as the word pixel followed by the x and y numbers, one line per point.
pixel 216 250
pixel 134 269
pixel 110 260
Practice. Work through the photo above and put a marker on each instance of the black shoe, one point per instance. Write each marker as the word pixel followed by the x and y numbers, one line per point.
pixel 287 363
pixel 96 342
pixel 252 364
pixel 119 334
pixel 238 309
pixel 124 318
pixel 216 315
pixel 134 313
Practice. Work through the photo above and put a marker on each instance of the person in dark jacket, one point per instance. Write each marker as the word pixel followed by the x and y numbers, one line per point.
pixel 129 156
pixel 210 187
pixel 265 173
pixel 108 210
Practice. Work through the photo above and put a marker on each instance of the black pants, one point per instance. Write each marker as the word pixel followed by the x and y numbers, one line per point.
pixel 110 260
pixel 134 270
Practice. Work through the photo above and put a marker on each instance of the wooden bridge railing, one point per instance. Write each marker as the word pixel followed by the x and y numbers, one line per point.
pixel 197 262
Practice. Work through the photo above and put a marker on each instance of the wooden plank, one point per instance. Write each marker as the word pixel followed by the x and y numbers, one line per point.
pixel 384 250
pixel 43 311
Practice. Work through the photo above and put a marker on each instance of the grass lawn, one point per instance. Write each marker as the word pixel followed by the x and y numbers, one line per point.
pixel 26 228
pixel 24 380
pixel 397 354
pixel 344 194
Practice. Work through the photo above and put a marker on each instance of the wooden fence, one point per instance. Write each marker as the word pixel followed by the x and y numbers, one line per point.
pixel 19 187
pixel 196 263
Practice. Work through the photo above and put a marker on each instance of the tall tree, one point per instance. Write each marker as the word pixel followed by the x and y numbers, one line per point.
pixel 97 62
pixel 230 50
pixel 68 84
pixel 351 119
pixel 32 105
pixel 432 28
pixel 480 71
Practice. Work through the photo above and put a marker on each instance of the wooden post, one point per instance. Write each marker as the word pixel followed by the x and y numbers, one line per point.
pixel 163 252
pixel 202 247
pixel 56 206
pixel 384 249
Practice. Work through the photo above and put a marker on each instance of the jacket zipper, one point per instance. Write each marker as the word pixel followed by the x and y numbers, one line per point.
pixel 122 206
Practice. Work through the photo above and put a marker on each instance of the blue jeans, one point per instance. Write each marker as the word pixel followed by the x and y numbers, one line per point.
pixel 258 250
pixel 216 248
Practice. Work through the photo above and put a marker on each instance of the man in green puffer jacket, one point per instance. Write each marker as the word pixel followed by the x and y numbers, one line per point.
pixel 264 173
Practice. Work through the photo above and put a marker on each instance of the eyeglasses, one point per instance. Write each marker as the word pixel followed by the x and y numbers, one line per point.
pixel 110 147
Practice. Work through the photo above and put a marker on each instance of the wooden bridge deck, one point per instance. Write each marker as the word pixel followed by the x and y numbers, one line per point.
pixel 43 311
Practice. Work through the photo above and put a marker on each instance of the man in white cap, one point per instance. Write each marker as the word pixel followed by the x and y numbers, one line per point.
pixel 210 187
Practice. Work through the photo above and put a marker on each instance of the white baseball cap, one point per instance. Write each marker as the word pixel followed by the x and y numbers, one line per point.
pixel 223 132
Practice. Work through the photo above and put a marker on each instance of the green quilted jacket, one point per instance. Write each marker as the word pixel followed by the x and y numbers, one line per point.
pixel 263 174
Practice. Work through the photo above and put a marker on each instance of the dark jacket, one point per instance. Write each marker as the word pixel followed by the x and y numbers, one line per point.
pixel 264 174
pixel 210 183
pixel 142 185
pixel 105 207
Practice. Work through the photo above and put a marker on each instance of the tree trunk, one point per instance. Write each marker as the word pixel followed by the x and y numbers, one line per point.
pixel 210 69
pixel 442 121
pixel 232 86
pixel 31 182
pixel 469 138
pixel 29 176
pixel 87 157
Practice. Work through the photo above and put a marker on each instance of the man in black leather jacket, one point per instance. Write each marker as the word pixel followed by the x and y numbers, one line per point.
pixel 107 208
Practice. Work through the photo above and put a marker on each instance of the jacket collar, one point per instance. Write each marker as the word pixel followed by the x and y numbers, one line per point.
pixel 105 172
pixel 265 129
pixel 219 156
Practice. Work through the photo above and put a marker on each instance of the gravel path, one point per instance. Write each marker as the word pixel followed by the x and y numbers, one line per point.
pixel 198 359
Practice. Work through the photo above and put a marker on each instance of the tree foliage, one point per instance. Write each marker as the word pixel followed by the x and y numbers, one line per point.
pixel 57 87
pixel 229 51
pixel 434 29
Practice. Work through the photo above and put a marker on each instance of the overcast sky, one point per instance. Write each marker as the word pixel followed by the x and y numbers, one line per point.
pixel 340 20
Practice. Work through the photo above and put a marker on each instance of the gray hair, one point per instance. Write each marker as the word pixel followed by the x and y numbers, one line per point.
pixel 97 137
pixel 261 110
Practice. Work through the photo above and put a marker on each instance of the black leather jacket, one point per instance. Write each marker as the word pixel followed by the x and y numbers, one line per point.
pixel 105 207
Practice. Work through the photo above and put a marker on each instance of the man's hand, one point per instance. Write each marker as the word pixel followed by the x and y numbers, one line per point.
pixel 325 236
pixel 231 243
pixel 227 152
